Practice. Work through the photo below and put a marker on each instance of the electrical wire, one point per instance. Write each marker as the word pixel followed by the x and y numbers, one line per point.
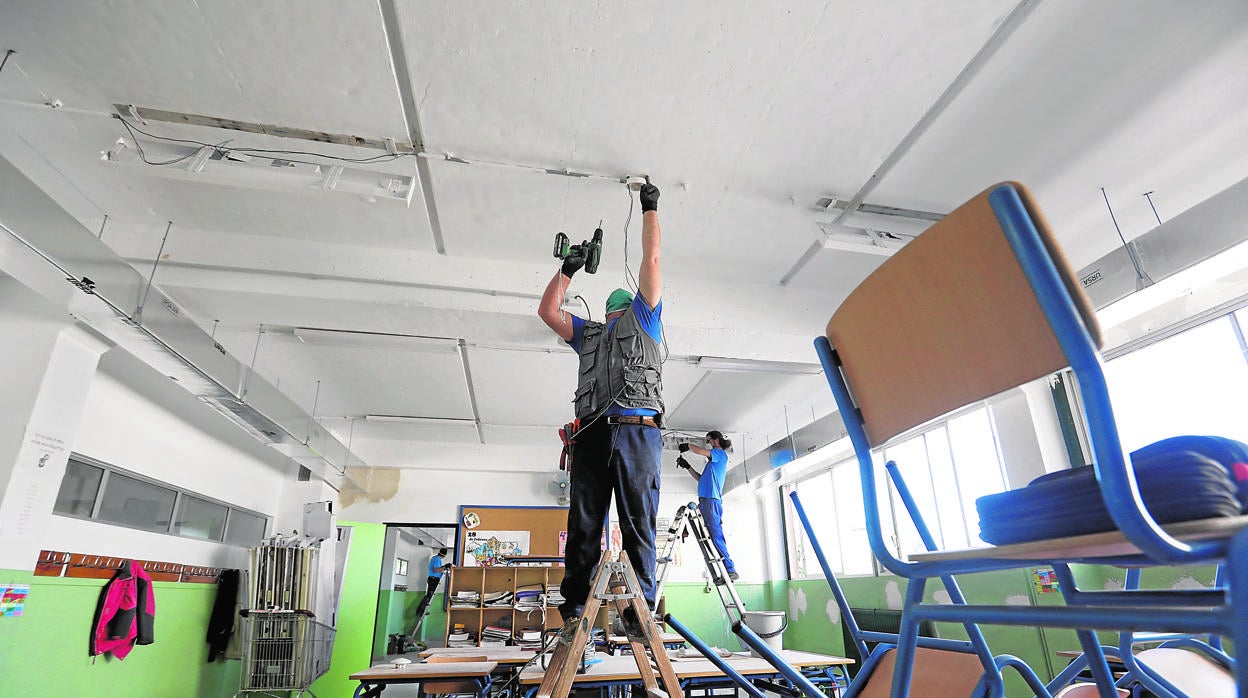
pixel 220 148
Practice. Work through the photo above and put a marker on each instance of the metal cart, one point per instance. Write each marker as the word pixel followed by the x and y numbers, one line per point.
pixel 283 651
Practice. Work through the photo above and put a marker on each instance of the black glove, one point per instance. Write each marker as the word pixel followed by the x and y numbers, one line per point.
pixel 572 264
pixel 681 462
pixel 682 448
pixel 649 196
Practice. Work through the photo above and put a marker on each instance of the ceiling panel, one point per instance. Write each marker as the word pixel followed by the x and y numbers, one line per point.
pixel 132 192
pixel 316 64
pixel 726 400
pixel 836 273
pixel 1145 96
pixel 523 388
pixel 503 213
pixel 355 381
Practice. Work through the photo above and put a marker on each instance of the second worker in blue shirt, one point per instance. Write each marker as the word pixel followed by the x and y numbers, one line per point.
pixel 710 491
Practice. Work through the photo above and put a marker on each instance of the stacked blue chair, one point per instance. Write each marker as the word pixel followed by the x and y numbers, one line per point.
pixel 978 304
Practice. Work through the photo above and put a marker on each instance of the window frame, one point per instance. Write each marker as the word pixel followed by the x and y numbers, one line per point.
pixel 179 494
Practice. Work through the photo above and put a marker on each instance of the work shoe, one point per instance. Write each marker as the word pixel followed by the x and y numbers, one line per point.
pixel 568 630
pixel 632 624
pixel 734 576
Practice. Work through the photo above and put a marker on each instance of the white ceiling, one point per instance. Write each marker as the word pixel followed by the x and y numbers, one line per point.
pixel 744 116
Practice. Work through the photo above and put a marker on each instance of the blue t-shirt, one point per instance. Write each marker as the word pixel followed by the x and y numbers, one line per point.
pixel 650 320
pixel 434 563
pixel 711 483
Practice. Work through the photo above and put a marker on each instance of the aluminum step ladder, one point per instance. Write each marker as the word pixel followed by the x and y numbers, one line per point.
pixel 689 520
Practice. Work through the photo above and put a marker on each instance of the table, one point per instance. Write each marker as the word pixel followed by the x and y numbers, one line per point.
pixel 375 679
pixel 691 671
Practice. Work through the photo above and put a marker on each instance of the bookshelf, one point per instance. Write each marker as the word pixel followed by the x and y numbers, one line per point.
pixel 486 582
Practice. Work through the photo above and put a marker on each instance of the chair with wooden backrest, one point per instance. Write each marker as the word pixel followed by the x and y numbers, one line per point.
pixel 452 687
pixel 978 304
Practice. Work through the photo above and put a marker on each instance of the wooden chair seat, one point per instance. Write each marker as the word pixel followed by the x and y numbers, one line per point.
pixel 1090 546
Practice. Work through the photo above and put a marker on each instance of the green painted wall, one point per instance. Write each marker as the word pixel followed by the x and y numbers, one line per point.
pixel 44 652
pixel 357 611
pixel 396 613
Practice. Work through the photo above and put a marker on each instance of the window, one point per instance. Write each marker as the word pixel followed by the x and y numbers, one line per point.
pixel 135 503
pixel 78 489
pixel 198 518
pixel 945 469
pixel 832 501
pixel 245 528
pixel 99 492
pixel 1188 383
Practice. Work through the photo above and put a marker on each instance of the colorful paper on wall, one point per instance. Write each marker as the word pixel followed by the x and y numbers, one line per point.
pixel 1045 581
pixel 13 599
pixel 488 548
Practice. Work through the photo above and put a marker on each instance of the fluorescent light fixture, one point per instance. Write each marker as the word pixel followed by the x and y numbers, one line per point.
pixel 1199 275
pixel 719 363
pixel 208 164
pixel 405 419
pixel 867 241
pixel 377 340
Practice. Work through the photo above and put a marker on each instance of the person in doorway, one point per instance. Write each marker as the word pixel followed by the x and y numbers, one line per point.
pixel 437 570
pixel 710 491
pixel 619 405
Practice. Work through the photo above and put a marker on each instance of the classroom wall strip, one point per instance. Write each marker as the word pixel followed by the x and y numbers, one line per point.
pixel 53 563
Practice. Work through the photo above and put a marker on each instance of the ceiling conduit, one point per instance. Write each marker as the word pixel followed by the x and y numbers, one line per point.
pixel 45 248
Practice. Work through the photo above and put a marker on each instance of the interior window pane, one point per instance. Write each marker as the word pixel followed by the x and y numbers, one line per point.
pixel 78 489
pixel 1191 383
pixel 979 468
pixel 911 459
pixel 199 519
pixel 136 503
pixel 851 520
pixel 945 487
pixel 819 504
pixel 245 529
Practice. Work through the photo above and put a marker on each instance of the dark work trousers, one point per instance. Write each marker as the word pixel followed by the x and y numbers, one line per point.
pixel 424 603
pixel 607 458
pixel 713 514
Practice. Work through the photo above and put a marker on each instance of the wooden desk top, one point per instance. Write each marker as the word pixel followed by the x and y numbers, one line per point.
pixel 502 655
pixel 624 668
pixel 416 673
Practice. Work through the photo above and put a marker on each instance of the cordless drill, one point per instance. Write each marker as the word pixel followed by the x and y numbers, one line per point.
pixel 590 250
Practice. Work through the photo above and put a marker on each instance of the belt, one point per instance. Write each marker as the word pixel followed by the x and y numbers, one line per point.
pixel 633 419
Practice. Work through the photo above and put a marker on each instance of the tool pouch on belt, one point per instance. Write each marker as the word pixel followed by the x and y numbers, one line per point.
pixel 567 434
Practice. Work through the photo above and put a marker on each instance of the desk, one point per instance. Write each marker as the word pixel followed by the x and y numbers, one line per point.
pixel 691 671
pixel 375 679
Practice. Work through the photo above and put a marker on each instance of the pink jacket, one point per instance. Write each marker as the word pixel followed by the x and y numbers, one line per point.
pixel 125 614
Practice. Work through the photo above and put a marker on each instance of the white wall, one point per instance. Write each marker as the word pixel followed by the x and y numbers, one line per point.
pixel 146 428
pixel 434 496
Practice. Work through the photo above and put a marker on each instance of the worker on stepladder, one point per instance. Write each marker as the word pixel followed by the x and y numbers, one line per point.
pixel 437 570
pixel 710 490
pixel 619 405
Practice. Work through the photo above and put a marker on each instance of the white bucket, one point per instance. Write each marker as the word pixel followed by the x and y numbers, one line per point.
pixel 768 625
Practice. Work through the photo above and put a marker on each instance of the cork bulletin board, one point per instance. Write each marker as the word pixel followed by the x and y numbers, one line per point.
pixel 543 526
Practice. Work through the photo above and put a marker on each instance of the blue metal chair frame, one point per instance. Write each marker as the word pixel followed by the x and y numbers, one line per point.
pixel 1215 612
pixel 991 682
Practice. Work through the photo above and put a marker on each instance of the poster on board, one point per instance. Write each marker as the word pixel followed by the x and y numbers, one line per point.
pixel 489 548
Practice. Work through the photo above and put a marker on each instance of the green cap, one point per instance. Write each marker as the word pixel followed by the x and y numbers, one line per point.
pixel 619 300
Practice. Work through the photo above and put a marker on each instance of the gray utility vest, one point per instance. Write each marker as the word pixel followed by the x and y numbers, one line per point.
pixel 622 367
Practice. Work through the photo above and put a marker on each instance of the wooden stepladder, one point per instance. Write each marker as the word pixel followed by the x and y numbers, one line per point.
pixel 617 583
